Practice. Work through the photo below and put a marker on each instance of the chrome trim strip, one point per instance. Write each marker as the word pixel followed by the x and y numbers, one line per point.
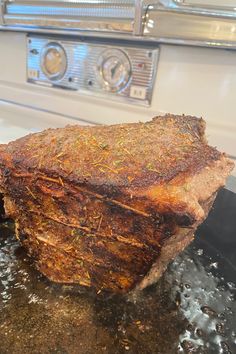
pixel 2 11
pixel 141 7
pixel 48 23
pixel 120 36
pixel 138 21
pixel 67 10
pixel 201 8
pixel 189 28
pixel 98 15
pixel 72 32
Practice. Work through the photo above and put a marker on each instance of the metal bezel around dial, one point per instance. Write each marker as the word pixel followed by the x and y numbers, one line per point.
pixel 114 70
pixel 60 72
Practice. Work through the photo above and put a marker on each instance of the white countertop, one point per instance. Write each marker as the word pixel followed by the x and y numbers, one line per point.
pixel 17 121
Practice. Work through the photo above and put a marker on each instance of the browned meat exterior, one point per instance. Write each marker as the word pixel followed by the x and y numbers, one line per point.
pixel 110 206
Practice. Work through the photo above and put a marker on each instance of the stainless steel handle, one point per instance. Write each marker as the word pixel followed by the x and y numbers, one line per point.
pixel 104 16
pixel 141 7
pixel 196 7
pixel 190 26
pixel 2 11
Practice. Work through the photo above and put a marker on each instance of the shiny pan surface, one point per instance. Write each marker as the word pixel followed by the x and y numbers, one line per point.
pixel 191 310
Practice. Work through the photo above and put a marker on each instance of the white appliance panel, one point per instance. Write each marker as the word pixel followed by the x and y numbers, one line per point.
pixel 17 121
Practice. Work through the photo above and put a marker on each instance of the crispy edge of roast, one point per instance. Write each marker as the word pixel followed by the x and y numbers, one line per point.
pixel 185 195
pixel 171 248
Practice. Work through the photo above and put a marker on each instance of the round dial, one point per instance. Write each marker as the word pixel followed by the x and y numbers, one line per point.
pixel 53 61
pixel 114 69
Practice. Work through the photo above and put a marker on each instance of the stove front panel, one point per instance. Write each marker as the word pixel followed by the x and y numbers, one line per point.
pixel 124 72
pixel 189 80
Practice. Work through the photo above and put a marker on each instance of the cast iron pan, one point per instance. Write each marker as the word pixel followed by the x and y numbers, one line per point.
pixel 191 310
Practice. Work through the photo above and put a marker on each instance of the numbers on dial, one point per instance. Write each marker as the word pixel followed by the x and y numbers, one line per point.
pixel 114 69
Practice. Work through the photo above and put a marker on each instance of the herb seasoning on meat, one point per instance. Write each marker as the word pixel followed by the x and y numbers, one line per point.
pixel 110 206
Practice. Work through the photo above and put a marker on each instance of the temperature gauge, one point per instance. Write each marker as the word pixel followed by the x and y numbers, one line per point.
pixel 53 61
pixel 114 69
pixel 105 70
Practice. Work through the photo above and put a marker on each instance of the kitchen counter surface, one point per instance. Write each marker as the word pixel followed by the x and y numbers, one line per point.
pixel 17 121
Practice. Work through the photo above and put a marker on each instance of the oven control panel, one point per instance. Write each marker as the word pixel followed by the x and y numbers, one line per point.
pixel 124 72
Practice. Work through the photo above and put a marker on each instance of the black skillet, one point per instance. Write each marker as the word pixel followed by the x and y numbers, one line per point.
pixel 191 310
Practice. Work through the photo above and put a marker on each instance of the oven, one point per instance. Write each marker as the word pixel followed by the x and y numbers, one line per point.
pixel 105 62
pixel 165 56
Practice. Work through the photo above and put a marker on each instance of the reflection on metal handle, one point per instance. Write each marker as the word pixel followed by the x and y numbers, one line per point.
pixel 190 28
pixel 138 23
pixel 203 7
pixel 140 11
pixel 226 5
pixel 2 11
pixel 91 15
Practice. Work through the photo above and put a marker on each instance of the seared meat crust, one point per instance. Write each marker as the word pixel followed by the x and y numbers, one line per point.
pixel 96 205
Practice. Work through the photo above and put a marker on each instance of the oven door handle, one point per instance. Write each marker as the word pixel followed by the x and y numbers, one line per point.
pixel 2 11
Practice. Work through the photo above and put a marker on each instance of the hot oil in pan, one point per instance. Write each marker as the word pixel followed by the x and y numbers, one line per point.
pixel 191 310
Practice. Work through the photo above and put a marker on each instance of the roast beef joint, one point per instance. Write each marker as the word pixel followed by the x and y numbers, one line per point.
pixel 109 207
